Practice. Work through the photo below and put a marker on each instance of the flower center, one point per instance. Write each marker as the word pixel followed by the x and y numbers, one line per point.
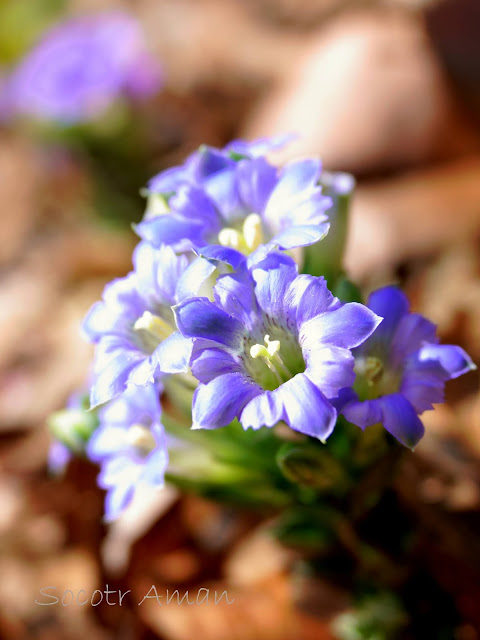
pixel 249 238
pixel 370 368
pixel 269 370
pixel 374 379
pixel 141 439
pixel 152 329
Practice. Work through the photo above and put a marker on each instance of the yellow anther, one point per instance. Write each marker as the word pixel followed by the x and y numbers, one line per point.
pixel 230 238
pixel 252 231
pixel 141 438
pixel 154 325
pixel 373 369
pixel 370 368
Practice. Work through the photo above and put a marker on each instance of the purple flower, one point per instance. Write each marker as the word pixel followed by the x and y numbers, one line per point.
pixel 80 67
pixel 59 455
pixel 208 161
pixel 273 346
pixel 134 328
pixel 239 204
pixel 401 370
pixel 130 445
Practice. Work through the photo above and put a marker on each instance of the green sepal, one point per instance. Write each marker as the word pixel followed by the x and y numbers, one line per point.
pixel 73 428
pixel 312 466
pixel 325 258
pixel 309 529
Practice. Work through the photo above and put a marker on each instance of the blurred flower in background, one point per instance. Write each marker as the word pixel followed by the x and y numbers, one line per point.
pixel 130 445
pixel 79 69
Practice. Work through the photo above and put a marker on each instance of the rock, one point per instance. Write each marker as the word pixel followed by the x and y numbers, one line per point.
pixel 367 94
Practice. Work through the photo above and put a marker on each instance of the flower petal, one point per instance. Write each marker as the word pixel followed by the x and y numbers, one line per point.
pixel 157 273
pixel 213 362
pixel 117 499
pixel 191 280
pixel 305 408
pixel 219 253
pixel 217 403
pixel 412 331
pixel 363 414
pixel 174 230
pixel 301 236
pixel 193 204
pixel 200 318
pixel 400 419
pixel 295 179
pixel 120 307
pixel 256 180
pixel 137 405
pixel 112 368
pixel 273 276
pixel 235 294
pixel 329 368
pixel 222 190
pixel 153 472
pixel 308 296
pixel 168 180
pixel 311 209
pixel 453 359
pixel 208 161
pixel 119 470
pixel 391 304
pixel 298 402
pixel 423 383
pixel 265 410
pixel 261 146
pixel 173 354
pixel 347 327
pixel 426 371
pixel 106 441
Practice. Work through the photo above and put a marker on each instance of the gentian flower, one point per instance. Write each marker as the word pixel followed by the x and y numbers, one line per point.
pixel 401 370
pixel 130 446
pixel 134 328
pixel 274 345
pixel 80 68
pixel 208 161
pixel 239 204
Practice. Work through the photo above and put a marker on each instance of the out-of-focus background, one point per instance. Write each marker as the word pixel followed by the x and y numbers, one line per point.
pixel 386 90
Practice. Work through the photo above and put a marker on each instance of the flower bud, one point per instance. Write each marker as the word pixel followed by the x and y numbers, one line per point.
pixel 73 428
pixel 311 467
pixel 326 257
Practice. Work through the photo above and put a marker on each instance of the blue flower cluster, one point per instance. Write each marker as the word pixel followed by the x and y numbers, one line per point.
pixel 217 300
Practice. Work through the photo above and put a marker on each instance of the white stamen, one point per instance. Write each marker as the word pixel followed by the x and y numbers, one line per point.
pixel 141 438
pixel 273 346
pixel 252 231
pixel 154 325
pixel 230 238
